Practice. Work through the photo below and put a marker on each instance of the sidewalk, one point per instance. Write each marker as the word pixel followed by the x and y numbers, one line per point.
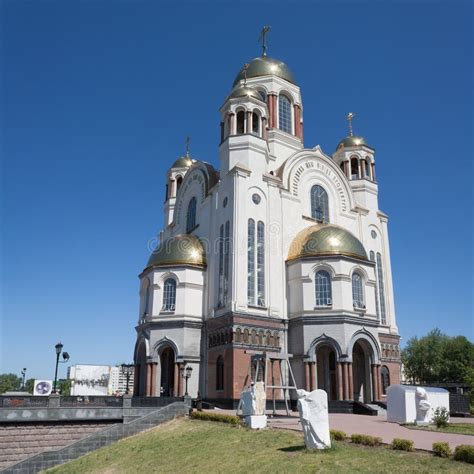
pixel 375 426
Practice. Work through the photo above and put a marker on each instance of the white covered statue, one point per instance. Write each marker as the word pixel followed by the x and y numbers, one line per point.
pixel 422 406
pixel 313 410
pixel 253 401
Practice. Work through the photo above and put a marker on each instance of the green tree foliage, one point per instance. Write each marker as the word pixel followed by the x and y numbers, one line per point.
pixel 439 358
pixel 29 385
pixel 64 387
pixel 9 382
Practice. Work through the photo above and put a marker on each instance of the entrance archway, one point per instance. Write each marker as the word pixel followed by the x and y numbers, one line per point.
pixel 140 364
pixel 361 375
pixel 326 370
pixel 167 362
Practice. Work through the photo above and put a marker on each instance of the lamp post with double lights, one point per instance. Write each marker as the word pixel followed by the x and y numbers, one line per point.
pixel 186 372
pixel 23 375
pixel 127 371
pixel 59 350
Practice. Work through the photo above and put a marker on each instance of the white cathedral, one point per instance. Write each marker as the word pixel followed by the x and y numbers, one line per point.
pixel 283 250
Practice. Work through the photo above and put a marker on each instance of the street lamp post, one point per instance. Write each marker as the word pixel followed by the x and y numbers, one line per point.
pixel 127 371
pixel 59 349
pixel 186 374
pixel 23 374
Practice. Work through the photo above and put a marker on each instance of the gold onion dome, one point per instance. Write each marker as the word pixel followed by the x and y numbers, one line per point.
pixel 352 140
pixel 183 162
pixel 325 240
pixel 265 66
pixel 182 249
pixel 244 91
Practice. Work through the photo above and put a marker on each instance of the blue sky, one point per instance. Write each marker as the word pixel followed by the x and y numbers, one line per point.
pixel 96 101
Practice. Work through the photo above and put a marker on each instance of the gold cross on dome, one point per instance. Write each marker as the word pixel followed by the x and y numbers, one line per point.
pixel 246 66
pixel 349 118
pixel 262 39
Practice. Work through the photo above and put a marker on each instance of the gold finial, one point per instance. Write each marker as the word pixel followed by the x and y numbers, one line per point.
pixel 262 38
pixel 349 118
pixel 246 66
pixel 188 139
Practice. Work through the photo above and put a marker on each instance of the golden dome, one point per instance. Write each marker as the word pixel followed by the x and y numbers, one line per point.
pixel 352 140
pixel 265 66
pixel 326 239
pixel 245 91
pixel 182 162
pixel 182 249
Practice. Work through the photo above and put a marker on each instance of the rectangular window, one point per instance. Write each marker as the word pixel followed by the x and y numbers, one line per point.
pixel 381 289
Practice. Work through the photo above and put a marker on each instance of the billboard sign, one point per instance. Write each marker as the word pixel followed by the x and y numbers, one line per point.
pixel 89 379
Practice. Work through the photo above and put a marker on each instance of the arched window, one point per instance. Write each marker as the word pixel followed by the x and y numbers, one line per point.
pixel 284 114
pixel 385 375
pixel 238 335
pixel 191 215
pixel 169 295
pixel 319 204
pixel 246 336
pixel 220 373
pixel 179 180
pixel 354 168
pixel 256 123
pixel 251 262
pixel 367 169
pixel 383 316
pixel 323 288
pixel 263 95
pixel 357 291
pixel 253 336
pixel 240 122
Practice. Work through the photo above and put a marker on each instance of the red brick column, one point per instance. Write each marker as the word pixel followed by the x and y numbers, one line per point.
pixel 345 377
pixel 374 383
pixel 339 382
pixel 176 380
pixel 148 379
pixel 379 383
pixel 307 376
pixel 314 376
pixel 271 111
pixel 351 384
pixel 297 114
pixel 136 380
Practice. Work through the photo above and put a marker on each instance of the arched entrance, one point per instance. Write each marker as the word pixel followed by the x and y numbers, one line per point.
pixel 361 363
pixel 167 362
pixel 140 364
pixel 326 370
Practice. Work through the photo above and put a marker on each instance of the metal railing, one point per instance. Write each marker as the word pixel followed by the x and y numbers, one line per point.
pixel 23 402
pixel 145 402
pixel 90 401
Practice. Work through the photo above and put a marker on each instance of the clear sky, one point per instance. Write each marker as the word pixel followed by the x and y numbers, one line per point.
pixel 96 101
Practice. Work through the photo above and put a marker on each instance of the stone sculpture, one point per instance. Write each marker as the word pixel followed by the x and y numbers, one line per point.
pixel 252 402
pixel 313 410
pixel 422 406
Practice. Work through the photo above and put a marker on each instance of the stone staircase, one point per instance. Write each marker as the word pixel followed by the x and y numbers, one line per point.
pixel 22 440
pixel 380 411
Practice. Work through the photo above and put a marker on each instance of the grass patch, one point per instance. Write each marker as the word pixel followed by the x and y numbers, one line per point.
pixel 195 446
pixel 458 428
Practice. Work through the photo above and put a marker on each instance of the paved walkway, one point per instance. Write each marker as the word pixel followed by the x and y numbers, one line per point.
pixel 376 426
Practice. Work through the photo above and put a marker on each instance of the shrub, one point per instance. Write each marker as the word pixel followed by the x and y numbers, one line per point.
pixel 465 453
pixel 441 417
pixel 402 444
pixel 202 415
pixel 338 435
pixel 442 450
pixel 366 440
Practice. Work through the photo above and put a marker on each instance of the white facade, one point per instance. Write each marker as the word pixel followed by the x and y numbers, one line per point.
pixel 267 177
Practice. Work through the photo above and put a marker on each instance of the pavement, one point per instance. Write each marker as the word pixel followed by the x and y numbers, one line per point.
pixel 375 426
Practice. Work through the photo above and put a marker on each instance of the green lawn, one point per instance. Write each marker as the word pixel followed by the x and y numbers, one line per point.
pixel 459 428
pixel 185 446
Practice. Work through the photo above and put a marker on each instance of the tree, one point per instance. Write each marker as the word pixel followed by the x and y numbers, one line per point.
pixel 64 387
pixel 438 358
pixel 29 385
pixel 9 382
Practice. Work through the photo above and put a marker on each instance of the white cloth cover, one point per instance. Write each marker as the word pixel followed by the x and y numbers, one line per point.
pixel 313 410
